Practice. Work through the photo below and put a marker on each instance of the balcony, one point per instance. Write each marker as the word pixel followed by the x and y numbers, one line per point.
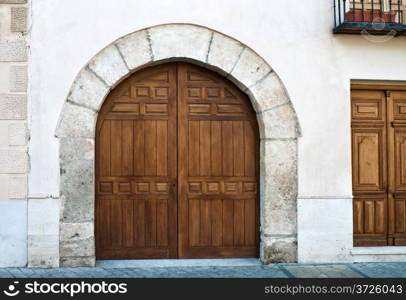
pixel 375 17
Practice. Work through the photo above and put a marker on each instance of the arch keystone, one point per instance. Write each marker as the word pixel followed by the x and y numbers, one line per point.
pixel 180 40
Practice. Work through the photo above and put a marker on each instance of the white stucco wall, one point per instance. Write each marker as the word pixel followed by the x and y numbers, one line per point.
pixel 294 36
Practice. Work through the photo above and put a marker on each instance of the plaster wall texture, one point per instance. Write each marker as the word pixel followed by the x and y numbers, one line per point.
pixel 293 36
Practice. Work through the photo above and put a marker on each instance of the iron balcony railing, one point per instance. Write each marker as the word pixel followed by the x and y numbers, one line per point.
pixel 377 17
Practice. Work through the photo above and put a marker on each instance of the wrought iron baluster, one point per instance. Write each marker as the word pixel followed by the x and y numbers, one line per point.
pixel 335 14
pixel 344 8
pixel 372 12
pixel 399 13
pixel 363 10
pixel 381 9
pixel 339 12
pixel 353 10
pixel 390 11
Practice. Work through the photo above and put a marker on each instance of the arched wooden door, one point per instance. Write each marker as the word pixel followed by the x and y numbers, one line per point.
pixel 176 167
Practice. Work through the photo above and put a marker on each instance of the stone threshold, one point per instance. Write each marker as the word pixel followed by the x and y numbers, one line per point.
pixel 164 263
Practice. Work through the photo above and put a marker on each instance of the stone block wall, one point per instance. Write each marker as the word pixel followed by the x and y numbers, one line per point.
pixel 13 132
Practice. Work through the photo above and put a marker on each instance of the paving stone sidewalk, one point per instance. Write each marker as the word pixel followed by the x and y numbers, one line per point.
pixel 250 271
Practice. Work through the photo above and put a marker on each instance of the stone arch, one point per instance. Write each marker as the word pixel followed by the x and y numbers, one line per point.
pixel 279 130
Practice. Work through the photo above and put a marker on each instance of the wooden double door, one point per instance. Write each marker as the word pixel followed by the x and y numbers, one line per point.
pixel 379 166
pixel 176 167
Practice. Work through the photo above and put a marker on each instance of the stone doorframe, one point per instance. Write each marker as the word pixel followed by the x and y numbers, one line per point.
pixel 279 130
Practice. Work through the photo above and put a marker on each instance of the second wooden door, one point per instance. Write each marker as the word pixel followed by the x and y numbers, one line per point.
pixel 379 167
pixel 176 168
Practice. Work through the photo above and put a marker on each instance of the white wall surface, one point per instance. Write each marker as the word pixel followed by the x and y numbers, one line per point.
pixel 13 233
pixel 325 230
pixel 294 36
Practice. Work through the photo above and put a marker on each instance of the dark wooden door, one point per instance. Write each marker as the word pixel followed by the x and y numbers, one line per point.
pixel 379 167
pixel 176 168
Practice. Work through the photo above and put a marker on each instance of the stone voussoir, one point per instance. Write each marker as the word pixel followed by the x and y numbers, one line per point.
pixel 224 52
pixel 268 93
pixel 180 40
pixel 88 90
pixel 249 69
pixel 109 65
pixel 135 49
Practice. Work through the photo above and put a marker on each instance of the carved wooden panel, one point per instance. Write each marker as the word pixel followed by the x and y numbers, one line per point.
pixel 222 188
pixel 400 215
pixel 399 105
pixel 370 215
pixel 400 159
pixel 370 224
pixel 399 219
pixel 132 186
pixel 218 139
pixel 143 98
pixel 368 106
pixel 368 159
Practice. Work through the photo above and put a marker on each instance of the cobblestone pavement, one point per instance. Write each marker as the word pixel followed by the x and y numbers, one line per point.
pixel 250 271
